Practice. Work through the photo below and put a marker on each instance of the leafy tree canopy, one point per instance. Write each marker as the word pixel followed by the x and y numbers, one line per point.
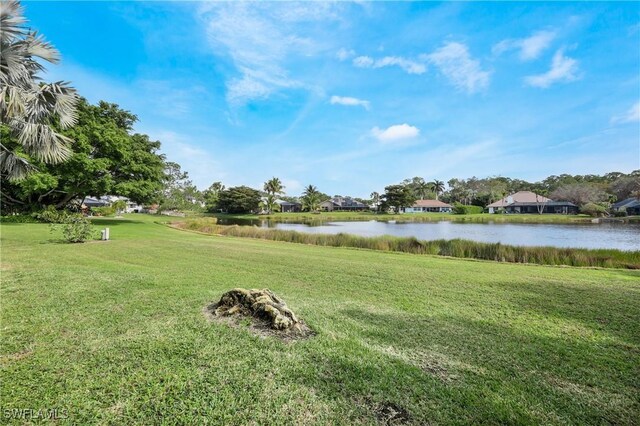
pixel 398 197
pixel 179 192
pixel 106 158
pixel 239 199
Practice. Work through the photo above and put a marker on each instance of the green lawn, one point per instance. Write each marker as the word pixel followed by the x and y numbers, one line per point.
pixel 113 332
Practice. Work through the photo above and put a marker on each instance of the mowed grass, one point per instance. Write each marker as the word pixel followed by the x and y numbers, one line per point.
pixel 114 333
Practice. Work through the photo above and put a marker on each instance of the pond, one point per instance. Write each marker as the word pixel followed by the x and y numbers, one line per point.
pixel 621 236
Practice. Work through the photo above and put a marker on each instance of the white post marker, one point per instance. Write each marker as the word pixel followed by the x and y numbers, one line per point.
pixel 106 233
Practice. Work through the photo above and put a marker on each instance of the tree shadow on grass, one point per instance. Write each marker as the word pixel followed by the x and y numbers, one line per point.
pixel 609 309
pixel 457 370
pixel 113 222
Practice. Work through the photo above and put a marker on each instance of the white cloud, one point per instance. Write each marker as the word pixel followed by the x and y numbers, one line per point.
pixel 530 47
pixel 363 62
pixel 344 54
pixel 202 167
pixel 456 64
pixel 632 115
pixel 408 65
pixel 395 132
pixel 563 69
pixel 259 39
pixel 345 100
pixel 292 186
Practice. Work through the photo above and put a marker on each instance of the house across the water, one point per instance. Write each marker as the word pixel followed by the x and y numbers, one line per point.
pixel 530 202
pixel 107 200
pixel 343 204
pixel 285 206
pixel 431 206
pixel 289 207
pixel 631 206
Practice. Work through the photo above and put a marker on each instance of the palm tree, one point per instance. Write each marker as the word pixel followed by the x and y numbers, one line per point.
pixel 375 198
pixel 437 186
pixel 311 198
pixel 272 187
pixel 29 107
pixel 422 189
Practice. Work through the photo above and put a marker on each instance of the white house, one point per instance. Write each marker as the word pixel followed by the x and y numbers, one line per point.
pixel 430 206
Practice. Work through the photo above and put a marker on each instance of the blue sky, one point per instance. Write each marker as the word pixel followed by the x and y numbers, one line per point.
pixel 351 97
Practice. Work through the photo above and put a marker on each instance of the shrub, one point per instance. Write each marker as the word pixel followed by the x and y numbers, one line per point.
pixel 103 211
pixel 75 229
pixel 462 209
pixel 593 210
pixel 51 215
pixel 18 218
pixel 621 213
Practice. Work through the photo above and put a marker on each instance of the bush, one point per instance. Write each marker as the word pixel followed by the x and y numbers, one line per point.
pixel 462 209
pixel 621 213
pixel 51 215
pixel 75 229
pixel 18 218
pixel 593 210
pixel 103 211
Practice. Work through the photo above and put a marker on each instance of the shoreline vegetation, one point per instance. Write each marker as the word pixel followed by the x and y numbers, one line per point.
pixel 305 217
pixel 603 258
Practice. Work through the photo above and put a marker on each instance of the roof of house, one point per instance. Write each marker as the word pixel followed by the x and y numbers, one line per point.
pixel 345 202
pixel 547 203
pixel 520 197
pixel 431 203
pixel 91 201
pixel 629 202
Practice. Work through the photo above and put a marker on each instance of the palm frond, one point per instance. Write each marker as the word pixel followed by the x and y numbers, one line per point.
pixel 28 106
pixel 11 20
pixel 37 46
pixel 13 166
pixel 42 142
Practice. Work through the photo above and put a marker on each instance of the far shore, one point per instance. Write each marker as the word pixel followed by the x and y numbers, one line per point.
pixel 425 217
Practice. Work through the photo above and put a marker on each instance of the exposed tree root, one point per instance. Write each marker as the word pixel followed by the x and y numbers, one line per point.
pixel 268 311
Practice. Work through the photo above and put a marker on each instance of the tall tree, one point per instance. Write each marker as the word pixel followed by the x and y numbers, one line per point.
pixel 179 192
pixel 29 108
pixel 398 197
pixel 272 187
pixel 375 199
pixel 437 186
pixel 239 199
pixel 311 198
pixel 210 196
pixel 106 159
pixel 579 193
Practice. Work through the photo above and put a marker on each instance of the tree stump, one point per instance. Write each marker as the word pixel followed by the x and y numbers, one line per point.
pixel 263 305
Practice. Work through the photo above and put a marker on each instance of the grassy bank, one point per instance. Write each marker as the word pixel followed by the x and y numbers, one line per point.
pixel 413 217
pixel 454 248
pixel 113 332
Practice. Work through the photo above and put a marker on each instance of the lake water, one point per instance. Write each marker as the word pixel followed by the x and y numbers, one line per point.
pixel 621 236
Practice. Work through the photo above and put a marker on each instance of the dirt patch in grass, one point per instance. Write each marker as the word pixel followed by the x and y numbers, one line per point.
pixel 388 413
pixel 15 356
pixel 261 312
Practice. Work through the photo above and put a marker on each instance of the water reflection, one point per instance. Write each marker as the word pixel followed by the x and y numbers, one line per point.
pixel 622 236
